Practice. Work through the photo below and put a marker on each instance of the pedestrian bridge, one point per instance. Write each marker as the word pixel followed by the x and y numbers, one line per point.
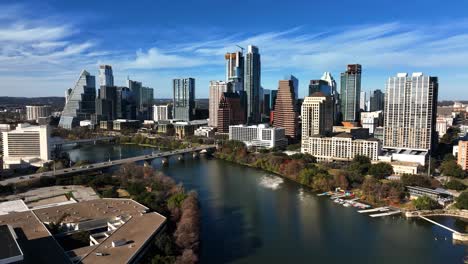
pixel 103 165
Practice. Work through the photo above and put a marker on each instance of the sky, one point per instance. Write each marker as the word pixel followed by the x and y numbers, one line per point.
pixel 44 44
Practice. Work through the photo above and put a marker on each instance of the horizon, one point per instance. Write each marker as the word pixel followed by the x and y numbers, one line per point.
pixel 42 53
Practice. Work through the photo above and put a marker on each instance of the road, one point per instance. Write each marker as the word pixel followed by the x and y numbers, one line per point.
pixel 103 165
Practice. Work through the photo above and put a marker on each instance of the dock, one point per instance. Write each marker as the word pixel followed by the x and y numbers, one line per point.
pixel 385 214
pixel 380 209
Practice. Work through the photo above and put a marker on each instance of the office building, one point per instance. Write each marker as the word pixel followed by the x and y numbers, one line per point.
pixel 26 145
pixel 185 129
pixel 266 102
pixel 463 154
pixel 443 124
pixel 295 83
pixel 320 86
pixel 273 96
pixel 371 120
pixel 260 136
pixel 162 112
pixel 126 125
pixel 204 131
pixel 377 101
pixel 350 93
pixel 410 111
pixel 285 108
pixel 106 103
pixel 217 88
pixel 252 81
pixel 336 97
pixel 342 147
pixel 184 99
pixel 235 70
pixel 143 99
pixel 126 107
pixel 317 115
pixel 230 112
pixel 34 112
pixel 106 77
pixel 363 101
pixel 80 101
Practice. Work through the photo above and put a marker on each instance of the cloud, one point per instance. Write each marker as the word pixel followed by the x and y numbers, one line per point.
pixel 154 58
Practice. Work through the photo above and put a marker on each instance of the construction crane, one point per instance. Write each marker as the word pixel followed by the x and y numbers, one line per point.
pixel 241 48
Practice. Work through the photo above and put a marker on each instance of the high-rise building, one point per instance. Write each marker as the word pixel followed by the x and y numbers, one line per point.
pixel 106 77
pixel 266 102
pixel 126 108
pixel 274 94
pixel 463 154
pixel 377 101
pixel 80 101
pixel 252 84
pixel 230 112
pixel 162 112
pixel 217 88
pixel 320 86
pixel 371 120
pixel 317 115
pixel 410 111
pixel 335 96
pixel 362 101
pixel 143 98
pixel 295 82
pixel 26 145
pixel 184 99
pixel 285 108
pixel 235 70
pixel 350 93
pixel 106 103
pixel 34 112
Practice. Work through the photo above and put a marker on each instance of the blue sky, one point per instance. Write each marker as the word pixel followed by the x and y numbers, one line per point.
pixel 45 44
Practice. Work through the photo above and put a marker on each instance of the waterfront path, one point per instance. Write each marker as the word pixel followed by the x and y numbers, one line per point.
pixel 107 164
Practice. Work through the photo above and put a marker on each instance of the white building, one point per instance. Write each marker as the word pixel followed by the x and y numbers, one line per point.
pixel 26 145
pixel 106 77
pixel 342 147
pixel 204 131
pixel 317 115
pixel 261 136
pixel 217 88
pixel 162 112
pixel 34 112
pixel 404 155
pixel 442 124
pixel 371 120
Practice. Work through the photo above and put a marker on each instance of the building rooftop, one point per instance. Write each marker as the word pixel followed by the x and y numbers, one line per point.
pixel 13 206
pixel 9 248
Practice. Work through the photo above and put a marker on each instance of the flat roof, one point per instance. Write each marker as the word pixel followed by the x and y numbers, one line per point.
pixel 135 232
pixel 93 209
pixel 9 247
pixel 13 206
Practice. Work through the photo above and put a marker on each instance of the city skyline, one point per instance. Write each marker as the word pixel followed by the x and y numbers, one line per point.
pixel 43 52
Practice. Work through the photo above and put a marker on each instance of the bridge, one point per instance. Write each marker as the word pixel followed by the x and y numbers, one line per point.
pixel 59 144
pixel 107 164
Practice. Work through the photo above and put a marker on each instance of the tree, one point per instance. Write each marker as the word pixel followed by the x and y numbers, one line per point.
pixel 455 185
pixel 451 168
pixel 381 170
pixel 360 164
pixel 462 200
pixel 426 203
pixel 306 176
pixel 416 180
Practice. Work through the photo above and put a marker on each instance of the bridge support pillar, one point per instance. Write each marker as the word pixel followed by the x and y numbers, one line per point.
pixel 165 161
pixel 196 155
pixel 181 157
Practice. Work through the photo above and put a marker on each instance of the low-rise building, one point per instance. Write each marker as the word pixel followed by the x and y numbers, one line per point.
pixel 106 125
pixel 440 195
pixel 261 136
pixel 403 167
pixel 405 155
pixel 126 125
pixel 205 131
pixel 342 147
pixel 187 128
pixel 26 145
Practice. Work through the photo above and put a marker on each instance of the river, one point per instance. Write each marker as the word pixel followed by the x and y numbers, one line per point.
pixel 250 216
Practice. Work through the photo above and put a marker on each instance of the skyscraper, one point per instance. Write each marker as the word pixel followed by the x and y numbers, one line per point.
pixel 410 111
pixel 143 98
pixel 350 93
pixel 320 86
pixel 106 103
pixel 230 112
pixel 295 84
pixel 335 96
pixel 317 115
pixel 184 98
pixel 377 101
pixel 235 70
pixel 80 101
pixel 106 77
pixel 362 101
pixel 217 88
pixel 285 108
pixel 252 84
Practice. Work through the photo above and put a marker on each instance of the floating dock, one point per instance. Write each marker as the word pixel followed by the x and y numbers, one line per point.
pixel 380 209
pixel 385 214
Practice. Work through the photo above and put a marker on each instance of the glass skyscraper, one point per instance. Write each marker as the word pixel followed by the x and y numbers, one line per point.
pixel 350 93
pixel 184 98
pixel 252 84
pixel 80 101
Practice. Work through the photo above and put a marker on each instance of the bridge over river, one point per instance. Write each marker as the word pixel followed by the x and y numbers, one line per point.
pixel 107 164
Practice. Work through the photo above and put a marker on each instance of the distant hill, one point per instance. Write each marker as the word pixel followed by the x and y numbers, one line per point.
pixel 55 102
